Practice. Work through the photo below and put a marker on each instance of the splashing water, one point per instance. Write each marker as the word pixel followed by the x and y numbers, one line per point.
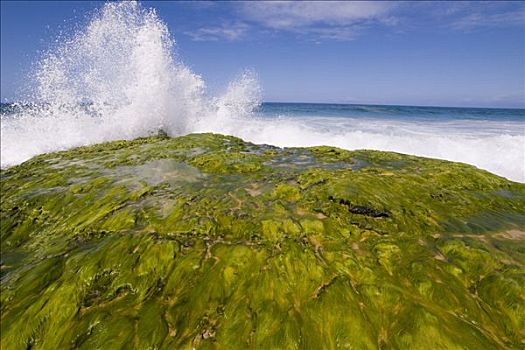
pixel 117 79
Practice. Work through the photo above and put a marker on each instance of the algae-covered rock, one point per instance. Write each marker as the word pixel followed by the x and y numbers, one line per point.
pixel 208 242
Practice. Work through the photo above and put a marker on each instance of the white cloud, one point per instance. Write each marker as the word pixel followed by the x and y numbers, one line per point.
pixel 345 20
pixel 224 32
pixel 477 20
pixel 335 33
pixel 337 20
pixel 296 14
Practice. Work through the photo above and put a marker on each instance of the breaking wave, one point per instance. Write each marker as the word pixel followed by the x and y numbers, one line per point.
pixel 117 78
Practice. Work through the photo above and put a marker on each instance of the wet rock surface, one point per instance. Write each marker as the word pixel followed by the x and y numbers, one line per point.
pixel 209 242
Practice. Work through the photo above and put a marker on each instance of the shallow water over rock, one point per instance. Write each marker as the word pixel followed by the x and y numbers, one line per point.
pixel 159 171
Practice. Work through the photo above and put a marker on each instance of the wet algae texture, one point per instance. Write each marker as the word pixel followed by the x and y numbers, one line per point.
pixel 209 242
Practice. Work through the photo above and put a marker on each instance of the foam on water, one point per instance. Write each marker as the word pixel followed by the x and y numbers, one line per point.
pixel 118 79
pixel 496 147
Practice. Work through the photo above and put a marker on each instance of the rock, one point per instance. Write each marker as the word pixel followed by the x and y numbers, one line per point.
pixel 208 241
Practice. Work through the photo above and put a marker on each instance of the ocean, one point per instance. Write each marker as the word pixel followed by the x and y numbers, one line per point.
pixel 489 138
pixel 118 78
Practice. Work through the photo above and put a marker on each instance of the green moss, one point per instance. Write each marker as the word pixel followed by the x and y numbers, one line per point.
pixel 286 193
pixel 209 242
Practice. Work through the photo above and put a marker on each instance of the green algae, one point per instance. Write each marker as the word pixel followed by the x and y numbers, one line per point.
pixel 209 242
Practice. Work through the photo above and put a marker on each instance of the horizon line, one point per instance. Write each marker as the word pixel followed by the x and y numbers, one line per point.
pixel 356 104
pixel 389 105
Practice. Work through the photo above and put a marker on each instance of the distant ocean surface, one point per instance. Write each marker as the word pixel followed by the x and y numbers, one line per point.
pixel 489 138
pixel 413 113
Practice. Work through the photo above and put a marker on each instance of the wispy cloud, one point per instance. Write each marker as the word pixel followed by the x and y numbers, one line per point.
pixel 346 20
pixel 322 19
pixel 335 33
pixel 229 32
pixel 464 15
pixel 477 20
pixel 288 14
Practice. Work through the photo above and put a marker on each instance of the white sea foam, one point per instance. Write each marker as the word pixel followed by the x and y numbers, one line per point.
pixel 119 79
pixel 496 147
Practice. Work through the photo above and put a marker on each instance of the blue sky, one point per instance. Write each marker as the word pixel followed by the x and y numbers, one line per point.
pixel 413 53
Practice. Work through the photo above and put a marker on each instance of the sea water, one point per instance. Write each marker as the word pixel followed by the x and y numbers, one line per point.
pixel 118 78
pixel 489 138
